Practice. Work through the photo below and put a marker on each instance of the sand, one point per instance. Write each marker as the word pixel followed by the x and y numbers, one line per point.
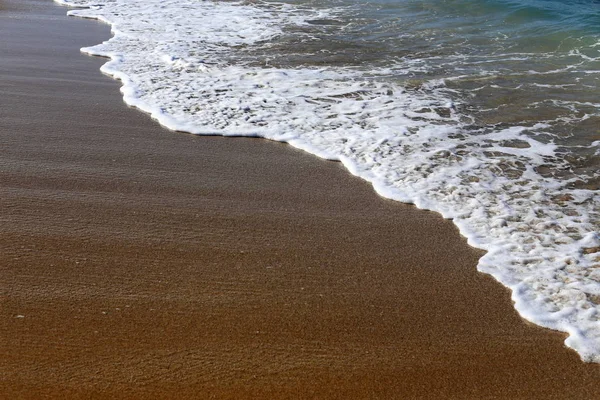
pixel 136 262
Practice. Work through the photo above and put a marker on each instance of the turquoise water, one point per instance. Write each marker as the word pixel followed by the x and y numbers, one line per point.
pixel 487 112
pixel 515 60
pixel 503 62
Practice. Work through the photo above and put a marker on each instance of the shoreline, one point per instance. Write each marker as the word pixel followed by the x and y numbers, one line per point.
pixel 140 262
pixel 484 225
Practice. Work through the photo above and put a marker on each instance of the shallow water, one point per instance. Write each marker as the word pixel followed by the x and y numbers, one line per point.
pixel 485 111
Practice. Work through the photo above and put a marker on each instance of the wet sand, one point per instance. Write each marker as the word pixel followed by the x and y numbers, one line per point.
pixel 141 263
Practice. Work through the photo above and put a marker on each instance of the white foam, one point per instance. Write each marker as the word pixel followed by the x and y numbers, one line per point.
pixel 174 59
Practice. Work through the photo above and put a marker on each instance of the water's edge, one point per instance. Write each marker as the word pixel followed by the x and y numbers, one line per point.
pixel 576 340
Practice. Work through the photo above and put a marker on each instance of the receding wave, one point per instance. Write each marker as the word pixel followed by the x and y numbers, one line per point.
pixel 474 121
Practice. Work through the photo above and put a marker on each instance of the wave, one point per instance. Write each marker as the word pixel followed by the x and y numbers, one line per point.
pixel 215 68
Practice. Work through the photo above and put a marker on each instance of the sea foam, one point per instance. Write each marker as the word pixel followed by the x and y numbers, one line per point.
pixel 179 60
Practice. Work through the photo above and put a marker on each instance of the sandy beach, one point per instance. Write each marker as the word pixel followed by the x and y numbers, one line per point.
pixel 136 262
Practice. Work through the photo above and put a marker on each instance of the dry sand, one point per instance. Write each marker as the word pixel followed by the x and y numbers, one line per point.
pixel 141 263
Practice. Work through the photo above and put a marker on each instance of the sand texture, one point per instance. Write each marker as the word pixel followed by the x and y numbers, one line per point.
pixel 141 263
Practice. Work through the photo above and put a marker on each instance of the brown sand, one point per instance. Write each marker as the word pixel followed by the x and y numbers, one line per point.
pixel 141 263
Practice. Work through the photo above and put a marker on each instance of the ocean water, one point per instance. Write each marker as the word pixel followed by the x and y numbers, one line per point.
pixel 487 111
